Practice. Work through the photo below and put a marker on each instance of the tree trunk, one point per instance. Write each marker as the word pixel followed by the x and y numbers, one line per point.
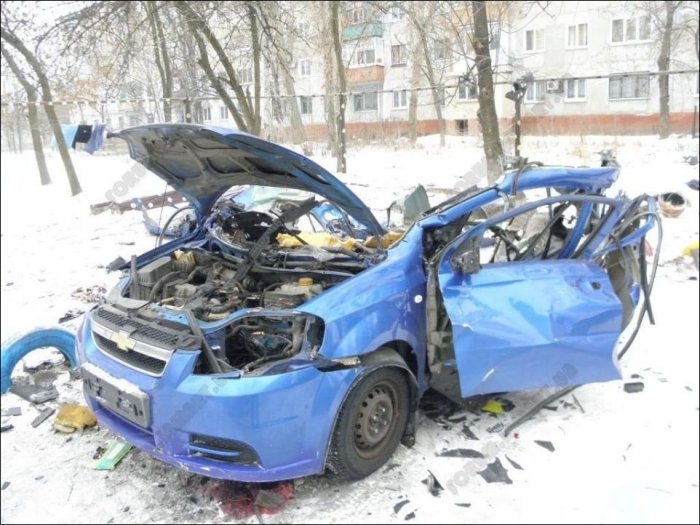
pixel 255 39
pixel 35 129
pixel 430 74
pixel 32 116
pixel 420 29
pixel 413 100
pixel 246 118
pixel 160 51
pixel 33 62
pixel 664 63
pixel 330 87
pixel 298 131
pixel 487 106
pixel 342 97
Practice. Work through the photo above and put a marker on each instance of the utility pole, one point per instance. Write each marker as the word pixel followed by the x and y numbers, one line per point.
pixel 517 95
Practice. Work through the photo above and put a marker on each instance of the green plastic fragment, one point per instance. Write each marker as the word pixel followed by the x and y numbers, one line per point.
pixel 113 455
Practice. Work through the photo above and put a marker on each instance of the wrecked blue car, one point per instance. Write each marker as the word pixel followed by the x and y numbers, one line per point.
pixel 248 350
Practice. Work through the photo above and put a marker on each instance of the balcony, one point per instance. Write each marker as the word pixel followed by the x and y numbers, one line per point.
pixel 370 29
pixel 365 75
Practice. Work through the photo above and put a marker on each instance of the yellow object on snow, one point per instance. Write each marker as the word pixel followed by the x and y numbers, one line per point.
pixel 73 417
pixel 493 407
pixel 692 247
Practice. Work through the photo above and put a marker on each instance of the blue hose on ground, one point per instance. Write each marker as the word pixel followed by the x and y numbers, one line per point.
pixel 18 346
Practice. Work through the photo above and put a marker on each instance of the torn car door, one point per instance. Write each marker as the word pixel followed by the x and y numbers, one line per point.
pixel 530 321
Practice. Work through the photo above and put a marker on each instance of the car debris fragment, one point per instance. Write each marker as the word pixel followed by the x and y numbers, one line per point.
pixel 398 506
pixel 114 453
pixel 545 444
pixel 434 486
pixel 43 416
pixel 633 387
pixel 495 472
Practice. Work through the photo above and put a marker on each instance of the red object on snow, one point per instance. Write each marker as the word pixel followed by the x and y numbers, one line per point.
pixel 241 500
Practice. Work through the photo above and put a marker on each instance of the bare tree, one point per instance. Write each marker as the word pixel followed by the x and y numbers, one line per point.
pixel 671 20
pixel 32 116
pixel 248 116
pixel 487 106
pixel 664 63
pixel 421 16
pixel 342 86
pixel 280 35
pixel 162 57
pixel 13 41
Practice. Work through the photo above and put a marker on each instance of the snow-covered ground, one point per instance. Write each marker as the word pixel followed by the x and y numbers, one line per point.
pixel 618 456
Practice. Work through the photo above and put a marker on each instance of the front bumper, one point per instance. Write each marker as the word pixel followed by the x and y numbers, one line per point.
pixel 250 428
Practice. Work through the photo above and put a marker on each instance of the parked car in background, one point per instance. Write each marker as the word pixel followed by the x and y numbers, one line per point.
pixel 253 349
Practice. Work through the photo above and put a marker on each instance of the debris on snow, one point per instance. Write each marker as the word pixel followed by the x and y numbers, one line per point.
pixel 400 505
pixel 73 417
pixel 460 453
pixel 545 444
pixel 495 472
pixel 633 388
pixel 515 464
pixel 43 416
pixel 433 484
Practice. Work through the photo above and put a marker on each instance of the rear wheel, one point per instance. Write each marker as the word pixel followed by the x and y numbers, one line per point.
pixel 370 425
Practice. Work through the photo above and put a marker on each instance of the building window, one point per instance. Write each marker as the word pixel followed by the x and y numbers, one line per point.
pixel 305 105
pixel 575 89
pixel 357 13
pixel 578 36
pixel 400 99
pixel 635 29
pixel 397 12
pixel 535 91
pixel 466 91
pixel 245 76
pixel 365 101
pixel 304 29
pixel 494 36
pixel 399 56
pixel 206 113
pixel 442 50
pixel 223 113
pixel 628 86
pixel 534 40
pixel 305 68
pixel 365 57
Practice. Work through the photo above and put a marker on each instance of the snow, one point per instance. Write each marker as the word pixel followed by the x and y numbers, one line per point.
pixel 627 457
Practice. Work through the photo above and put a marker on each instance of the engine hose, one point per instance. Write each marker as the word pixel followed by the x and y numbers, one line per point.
pixel 647 283
pixel 161 282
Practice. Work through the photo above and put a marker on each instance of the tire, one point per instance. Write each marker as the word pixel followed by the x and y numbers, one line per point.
pixel 370 425
pixel 16 347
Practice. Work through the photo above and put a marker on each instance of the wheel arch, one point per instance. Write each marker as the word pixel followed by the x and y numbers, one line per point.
pixel 390 355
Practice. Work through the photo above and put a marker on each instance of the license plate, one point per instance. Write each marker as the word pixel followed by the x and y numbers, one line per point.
pixel 117 395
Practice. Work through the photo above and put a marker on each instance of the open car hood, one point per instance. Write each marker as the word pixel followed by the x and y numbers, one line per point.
pixel 203 162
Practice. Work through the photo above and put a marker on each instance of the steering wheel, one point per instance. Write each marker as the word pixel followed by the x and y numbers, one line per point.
pixel 511 247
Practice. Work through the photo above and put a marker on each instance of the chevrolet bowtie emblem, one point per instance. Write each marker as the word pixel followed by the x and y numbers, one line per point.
pixel 123 341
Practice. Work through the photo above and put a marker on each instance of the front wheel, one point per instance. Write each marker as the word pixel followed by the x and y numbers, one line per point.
pixel 370 425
